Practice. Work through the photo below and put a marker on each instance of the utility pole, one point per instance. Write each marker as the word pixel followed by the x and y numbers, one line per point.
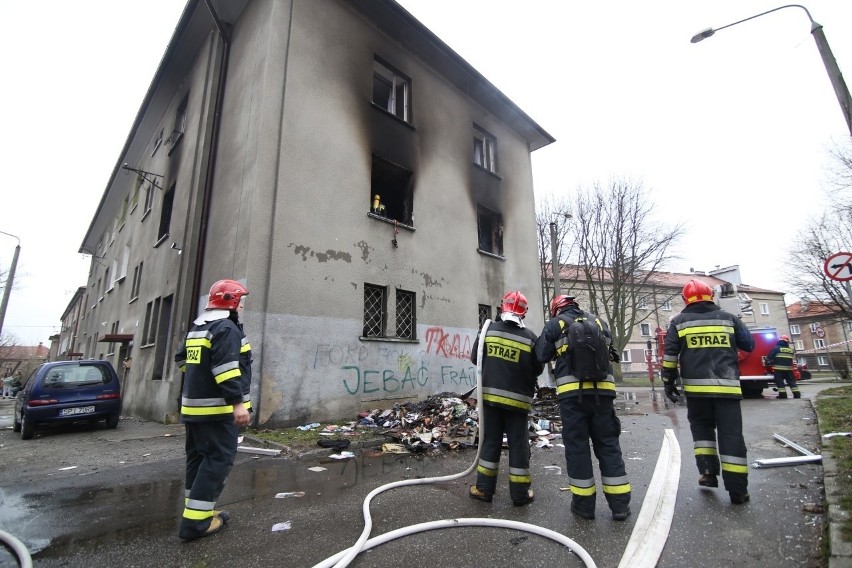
pixel 10 279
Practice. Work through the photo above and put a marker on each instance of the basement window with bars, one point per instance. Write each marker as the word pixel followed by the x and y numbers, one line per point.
pixel 377 314
pixel 484 314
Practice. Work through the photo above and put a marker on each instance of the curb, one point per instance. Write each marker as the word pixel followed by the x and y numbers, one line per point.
pixel 840 550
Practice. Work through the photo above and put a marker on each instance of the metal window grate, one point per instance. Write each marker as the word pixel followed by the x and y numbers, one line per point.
pixel 484 314
pixel 374 311
pixel 406 322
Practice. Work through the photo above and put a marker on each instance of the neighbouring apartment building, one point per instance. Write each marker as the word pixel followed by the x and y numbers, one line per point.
pixel 369 187
pixel 661 299
pixel 69 345
pixel 821 335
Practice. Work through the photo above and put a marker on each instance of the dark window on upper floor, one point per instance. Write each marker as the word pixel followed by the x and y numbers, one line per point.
pixel 391 191
pixel 490 229
pixel 166 213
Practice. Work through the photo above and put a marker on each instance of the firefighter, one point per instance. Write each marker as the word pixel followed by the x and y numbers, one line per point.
pixel 509 372
pixel 212 407
pixel 587 411
pixel 704 340
pixel 781 359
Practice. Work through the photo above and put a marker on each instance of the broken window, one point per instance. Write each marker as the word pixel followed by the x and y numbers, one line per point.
pixel 391 191
pixel 375 302
pixel 391 90
pixel 490 228
pixel 484 150
pixel 406 322
pixel 166 213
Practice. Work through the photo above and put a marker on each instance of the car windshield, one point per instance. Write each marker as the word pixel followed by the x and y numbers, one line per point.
pixel 75 375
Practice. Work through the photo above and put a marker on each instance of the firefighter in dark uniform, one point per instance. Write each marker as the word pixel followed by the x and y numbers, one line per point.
pixel 587 412
pixel 781 359
pixel 704 340
pixel 509 372
pixel 212 408
pixel 245 360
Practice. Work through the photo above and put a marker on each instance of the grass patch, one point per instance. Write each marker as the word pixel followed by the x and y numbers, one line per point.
pixel 834 407
pixel 303 440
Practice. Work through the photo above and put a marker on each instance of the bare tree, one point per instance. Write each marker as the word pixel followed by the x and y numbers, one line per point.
pixel 824 236
pixel 620 248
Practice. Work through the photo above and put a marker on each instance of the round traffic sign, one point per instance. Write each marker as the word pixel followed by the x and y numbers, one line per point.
pixel 839 266
pixel 819 332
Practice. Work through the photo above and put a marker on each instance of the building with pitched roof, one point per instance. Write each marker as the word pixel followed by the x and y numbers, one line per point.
pixel 821 335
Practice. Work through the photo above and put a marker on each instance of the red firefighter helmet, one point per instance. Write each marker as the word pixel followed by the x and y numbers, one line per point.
pixel 784 338
pixel 225 295
pixel 514 303
pixel 697 291
pixel 560 302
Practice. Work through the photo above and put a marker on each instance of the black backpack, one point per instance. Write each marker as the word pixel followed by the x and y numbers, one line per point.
pixel 588 349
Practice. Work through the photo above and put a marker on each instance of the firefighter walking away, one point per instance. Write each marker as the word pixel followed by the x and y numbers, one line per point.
pixel 781 359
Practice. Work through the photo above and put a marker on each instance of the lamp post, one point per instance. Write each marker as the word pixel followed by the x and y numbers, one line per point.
pixel 834 74
pixel 554 253
pixel 10 279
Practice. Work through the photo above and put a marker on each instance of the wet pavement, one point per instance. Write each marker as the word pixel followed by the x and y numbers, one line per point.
pixel 126 514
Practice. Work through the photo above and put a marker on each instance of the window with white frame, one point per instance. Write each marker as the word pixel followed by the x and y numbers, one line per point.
pixel 642 303
pixel 813 327
pixel 819 343
pixel 849 326
pixel 799 344
pixel 625 356
pixel 764 309
pixel 822 361
pixel 484 150
pixel 795 330
pixel 391 90
pixel 666 305
pixel 802 361
pixel 645 329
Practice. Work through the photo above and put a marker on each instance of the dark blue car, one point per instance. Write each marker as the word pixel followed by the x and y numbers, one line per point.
pixel 68 391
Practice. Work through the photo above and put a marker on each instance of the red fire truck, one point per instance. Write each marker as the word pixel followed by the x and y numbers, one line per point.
pixel 755 373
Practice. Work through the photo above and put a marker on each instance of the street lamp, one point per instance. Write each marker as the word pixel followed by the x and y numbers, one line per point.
pixel 828 60
pixel 554 250
pixel 9 281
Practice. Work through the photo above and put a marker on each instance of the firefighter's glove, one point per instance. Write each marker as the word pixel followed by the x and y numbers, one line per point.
pixel 672 392
pixel 613 354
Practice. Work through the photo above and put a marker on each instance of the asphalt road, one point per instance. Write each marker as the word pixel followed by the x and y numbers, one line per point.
pixel 95 497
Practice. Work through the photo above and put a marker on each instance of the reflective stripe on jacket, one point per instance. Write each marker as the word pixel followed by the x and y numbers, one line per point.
pixel 781 357
pixel 704 340
pixel 509 367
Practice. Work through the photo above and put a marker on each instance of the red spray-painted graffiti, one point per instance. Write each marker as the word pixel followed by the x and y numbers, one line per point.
pixel 442 343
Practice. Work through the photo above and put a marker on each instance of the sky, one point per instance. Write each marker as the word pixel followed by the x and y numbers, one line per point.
pixel 730 136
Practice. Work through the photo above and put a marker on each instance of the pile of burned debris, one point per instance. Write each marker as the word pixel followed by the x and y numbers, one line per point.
pixel 450 420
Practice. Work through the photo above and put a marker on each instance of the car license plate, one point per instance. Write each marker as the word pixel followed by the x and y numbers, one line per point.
pixel 77 410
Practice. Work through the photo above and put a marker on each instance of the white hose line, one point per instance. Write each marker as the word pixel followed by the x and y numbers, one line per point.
pixel 344 558
pixel 652 526
pixel 24 559
pixel 469 522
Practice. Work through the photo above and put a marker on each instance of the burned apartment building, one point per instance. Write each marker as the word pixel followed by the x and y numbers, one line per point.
pixel 369 187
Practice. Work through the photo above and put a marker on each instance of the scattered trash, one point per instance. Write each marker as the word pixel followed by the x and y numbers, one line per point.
pixel 316 468
pixel 239 438
pixel 543 443
pixel 342 456
pixel 285 526
pixel 262 451
pixel 814 508
pixel 67 468
pixel 308 426
pixel 289 494
pixel 334 444
pixel 394 449
pixel 145 455
pixel 169 436
pixel 565 489
pixel 518 540
pixel 554 469
pixel 833 434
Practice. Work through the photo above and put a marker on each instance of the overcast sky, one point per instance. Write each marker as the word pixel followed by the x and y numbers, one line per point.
pixel 730 135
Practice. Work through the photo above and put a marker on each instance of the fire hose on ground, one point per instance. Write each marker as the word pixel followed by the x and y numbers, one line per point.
pixel 343 558
pixel 18 548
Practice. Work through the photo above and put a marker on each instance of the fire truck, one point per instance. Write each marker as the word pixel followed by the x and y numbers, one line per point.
pixel 755 373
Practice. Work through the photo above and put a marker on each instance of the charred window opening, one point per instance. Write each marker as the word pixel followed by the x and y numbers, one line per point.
pixel 166 213
pixel 406 322
pixel 391 192
pixel 375 310
pixel 490 225
pixel 391 90
pixel 484 150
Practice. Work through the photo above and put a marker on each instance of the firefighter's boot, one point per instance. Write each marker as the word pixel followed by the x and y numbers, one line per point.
pixel 782 394
pixel 479 495
pixel 797 394
pixel 708 480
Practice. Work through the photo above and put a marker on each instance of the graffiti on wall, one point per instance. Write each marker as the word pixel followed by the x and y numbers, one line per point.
pixel 376 370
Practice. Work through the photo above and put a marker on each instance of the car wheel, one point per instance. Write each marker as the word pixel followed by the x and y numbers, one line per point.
pixel 16 426
pixel 27 428
pixel 112 420
pixel 752 391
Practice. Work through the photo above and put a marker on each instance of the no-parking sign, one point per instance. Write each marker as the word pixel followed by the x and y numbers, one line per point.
pixel 839 266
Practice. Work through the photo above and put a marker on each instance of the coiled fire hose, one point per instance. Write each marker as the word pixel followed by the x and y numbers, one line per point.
pixel 343 558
